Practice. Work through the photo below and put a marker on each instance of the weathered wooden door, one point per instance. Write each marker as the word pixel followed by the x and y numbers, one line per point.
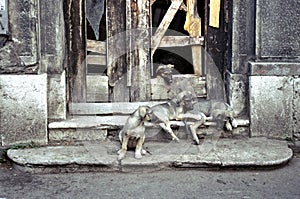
pixel 125 40
pixel 131 45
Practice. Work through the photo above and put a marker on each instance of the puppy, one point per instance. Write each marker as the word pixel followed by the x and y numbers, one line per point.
pixel 218 111
pixel 133 132
pixel 174 109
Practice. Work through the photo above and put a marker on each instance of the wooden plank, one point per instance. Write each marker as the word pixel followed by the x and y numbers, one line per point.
pixel 193 26
pixel 161 91
pixel 121 108
pixel 197 52
pixel 129 42
pixel 140 89
pixel 97 88
pixel 77 50
pixel 165 23
pixel 116 26
pixel 214 13
pixel 117 47
pixel 173 41
pixel 96 46
pixel 96 59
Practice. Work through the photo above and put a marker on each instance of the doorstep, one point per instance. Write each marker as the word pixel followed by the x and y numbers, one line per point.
pixel 102 156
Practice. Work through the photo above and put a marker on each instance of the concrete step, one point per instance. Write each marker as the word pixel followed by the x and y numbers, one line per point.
pixel 102 156
pixel 99 128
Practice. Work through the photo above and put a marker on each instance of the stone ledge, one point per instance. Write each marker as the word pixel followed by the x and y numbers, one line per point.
pixel 113 122
pixel 102 156
pixel 274 68
pixel 96 128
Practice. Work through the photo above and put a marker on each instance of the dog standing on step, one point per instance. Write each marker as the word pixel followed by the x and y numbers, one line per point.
pixel 133 133
pixel 174 109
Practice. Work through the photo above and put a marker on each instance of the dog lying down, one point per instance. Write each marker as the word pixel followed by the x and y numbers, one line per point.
pixel 212 110
pixel 132 134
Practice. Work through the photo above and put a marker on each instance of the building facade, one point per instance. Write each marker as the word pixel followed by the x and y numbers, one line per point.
pixel 85 58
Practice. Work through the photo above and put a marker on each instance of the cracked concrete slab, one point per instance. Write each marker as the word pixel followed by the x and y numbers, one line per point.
pixel 102 156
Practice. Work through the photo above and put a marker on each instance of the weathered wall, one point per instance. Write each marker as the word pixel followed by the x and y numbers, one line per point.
pixel 271 106
pixel 242 49
pixel 52 52
pixel 36 46
pixel 23 27
pixel 23 105
pixel 275 70
pixel 19 45
pixel 278 29
pixel 266 60
pixel 296 107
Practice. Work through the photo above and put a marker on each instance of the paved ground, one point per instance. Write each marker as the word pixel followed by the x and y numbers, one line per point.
pixel 192 183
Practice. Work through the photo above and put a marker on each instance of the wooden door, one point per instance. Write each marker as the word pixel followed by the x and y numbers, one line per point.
pixel 121 65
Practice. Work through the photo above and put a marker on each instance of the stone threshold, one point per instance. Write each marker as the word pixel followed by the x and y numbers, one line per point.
pixel 102 156
pixel 97 128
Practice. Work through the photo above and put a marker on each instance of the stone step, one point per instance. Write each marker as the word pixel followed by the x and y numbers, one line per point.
pixel 98 128
pixel 102 156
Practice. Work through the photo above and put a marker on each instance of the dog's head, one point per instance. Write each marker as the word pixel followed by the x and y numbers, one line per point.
pixel 165 72
pixel 188 102
pixel 144 112
pixel 186 99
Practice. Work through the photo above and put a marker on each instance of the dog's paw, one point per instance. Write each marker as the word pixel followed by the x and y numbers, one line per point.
pixel 228 126
pixel 144 152
pixel 197 142
pixel 138 156
pixel 234 123
pixel 119 152
pixel 122 154
pixel 176 139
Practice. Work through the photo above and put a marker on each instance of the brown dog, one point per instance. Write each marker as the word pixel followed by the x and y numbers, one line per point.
pixel 133 132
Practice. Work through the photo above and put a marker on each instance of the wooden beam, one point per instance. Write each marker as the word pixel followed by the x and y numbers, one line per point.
pixel 173 41
pixel 165 23
pixel 121 108
pixel 96 59
pixel 140 89
pixel 77 54
pixel 96 46
pixel 115 26
pixel 116 23
pixel 193 26
pixel 128 42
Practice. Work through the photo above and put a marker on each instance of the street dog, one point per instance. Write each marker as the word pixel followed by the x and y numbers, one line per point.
pixel 165 72
pixel 174 109
pixel 133 133
pixel 212 110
